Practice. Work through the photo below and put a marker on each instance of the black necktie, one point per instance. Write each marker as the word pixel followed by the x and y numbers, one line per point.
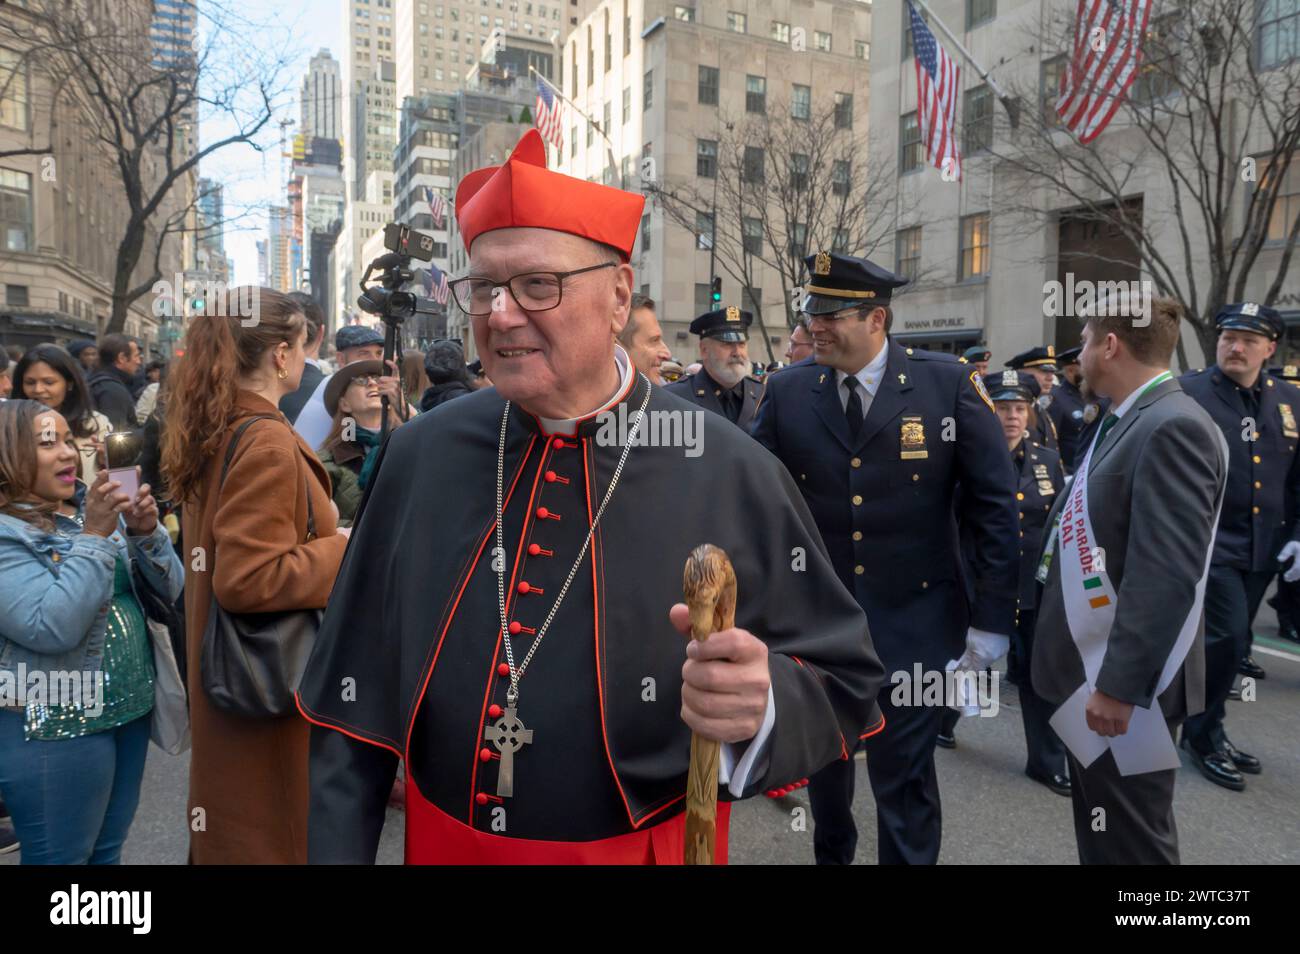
pixel 732 403
pixel 853 407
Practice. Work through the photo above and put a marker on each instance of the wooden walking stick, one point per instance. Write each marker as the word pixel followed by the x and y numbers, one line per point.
pixel 709 585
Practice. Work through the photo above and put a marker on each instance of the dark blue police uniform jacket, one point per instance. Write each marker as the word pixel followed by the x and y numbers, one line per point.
pixel 1263 475
pixel 700 388
pixel 884 502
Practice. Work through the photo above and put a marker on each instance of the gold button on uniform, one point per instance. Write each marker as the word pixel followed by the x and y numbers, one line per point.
pixel 1255 458
pixel 925 585
pixel 857 500
pixel 856 462
pixel 915 478
pixel 1254 510
pixel 859 570
pixel 1258 485
pixel 1020 496
pixel 857 535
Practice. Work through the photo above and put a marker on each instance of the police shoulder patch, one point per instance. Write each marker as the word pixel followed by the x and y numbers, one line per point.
pixel 980 389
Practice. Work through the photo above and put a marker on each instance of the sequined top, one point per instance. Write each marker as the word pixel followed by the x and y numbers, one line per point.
pixel 119 693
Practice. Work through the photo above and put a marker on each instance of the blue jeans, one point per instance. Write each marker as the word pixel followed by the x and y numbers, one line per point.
pixel 72 800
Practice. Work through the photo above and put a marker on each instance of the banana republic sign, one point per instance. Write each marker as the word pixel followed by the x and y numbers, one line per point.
pixel 919 323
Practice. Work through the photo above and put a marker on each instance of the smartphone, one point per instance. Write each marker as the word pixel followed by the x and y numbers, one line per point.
pixel 122 452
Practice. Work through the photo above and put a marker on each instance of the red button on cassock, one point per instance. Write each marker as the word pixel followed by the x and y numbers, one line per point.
pixel 485 755
pixel 550 476
pixel 534 549
pixel 542 513
pixel 523 586
pixel 481 798
pixel 495 710
pixel 515 627
pixel 557 442
pixel 503 670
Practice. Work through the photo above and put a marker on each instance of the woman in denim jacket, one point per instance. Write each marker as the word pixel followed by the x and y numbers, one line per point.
pixel 76 664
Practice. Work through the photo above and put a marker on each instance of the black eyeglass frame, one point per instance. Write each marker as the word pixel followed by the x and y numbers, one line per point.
pixel 508 284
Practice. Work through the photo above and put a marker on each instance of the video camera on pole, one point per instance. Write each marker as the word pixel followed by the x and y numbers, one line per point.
pixel 387 299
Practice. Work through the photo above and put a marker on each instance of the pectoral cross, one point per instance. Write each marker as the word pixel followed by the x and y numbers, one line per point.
pixel 509 736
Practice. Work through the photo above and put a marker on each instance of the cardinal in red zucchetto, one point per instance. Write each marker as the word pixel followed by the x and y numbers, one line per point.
pixel 507 619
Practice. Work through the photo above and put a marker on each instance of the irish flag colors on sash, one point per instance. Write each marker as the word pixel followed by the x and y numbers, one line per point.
pixel 1090 604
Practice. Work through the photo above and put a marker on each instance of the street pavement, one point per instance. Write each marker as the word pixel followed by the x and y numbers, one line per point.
pixel 992 813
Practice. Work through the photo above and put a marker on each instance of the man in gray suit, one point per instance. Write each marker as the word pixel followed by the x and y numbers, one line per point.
pixel 1120 624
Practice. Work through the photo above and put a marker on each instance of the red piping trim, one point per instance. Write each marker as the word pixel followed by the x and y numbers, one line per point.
pixel 875 729
pixel 308 715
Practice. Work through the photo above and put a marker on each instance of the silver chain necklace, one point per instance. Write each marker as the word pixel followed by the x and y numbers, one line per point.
pixel 508 733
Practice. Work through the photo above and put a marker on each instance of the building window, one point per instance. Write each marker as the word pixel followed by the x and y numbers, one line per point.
pixel 591 58
pixel 798 239
pixel 780 31
pixel 573 62
pixel 801 102
pixel 751 230
pixel 1278 33
pixel 706 158
pixel 573 141
pixel 708 88
pixel 974 246
pixel 822 41
pixel 752 167
pixel 627 31
pixel 625 169
pixel 843 110
pixel 907 33
pixel 737 22
pixel 645 232
pixel 13 84
pixel 609 43
pixel 840 243
pixel 703 230
pixel 647 90
pixel 907 252
pixel 862 49
pixel 1049 83
pixel 17 295
pixel 840 177
pixel 1158 73
pixel 909 143
pixel 627 104
pixel 1287 206
pixel 703 298
pixel 798 171
pixel 609 119
pixel 683 13
pixel 15 210
pixel 755 94
pixel 977 120
pixel 591 132
pixel 980 11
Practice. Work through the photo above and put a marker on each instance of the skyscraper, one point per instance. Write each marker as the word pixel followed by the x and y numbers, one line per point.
pixel 320 99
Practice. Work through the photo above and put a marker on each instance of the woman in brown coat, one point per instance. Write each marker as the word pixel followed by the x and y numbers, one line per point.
pixel 246 546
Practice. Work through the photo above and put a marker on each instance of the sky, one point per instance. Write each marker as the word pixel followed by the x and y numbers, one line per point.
pixel 290 32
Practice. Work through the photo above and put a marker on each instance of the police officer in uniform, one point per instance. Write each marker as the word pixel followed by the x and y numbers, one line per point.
pixel 978 356
pixel 1077 414
pixel 1041 363
pixel 1286 601
pixel 1257 525
pixel 723 384
pixel 877 436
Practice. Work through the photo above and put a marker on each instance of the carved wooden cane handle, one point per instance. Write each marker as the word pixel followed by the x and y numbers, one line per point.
pixel 709 585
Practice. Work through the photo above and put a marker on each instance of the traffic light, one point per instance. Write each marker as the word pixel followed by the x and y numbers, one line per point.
pixel 717 291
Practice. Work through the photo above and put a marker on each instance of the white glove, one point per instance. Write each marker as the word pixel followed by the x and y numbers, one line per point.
pixel 983 649
pixel 1292 549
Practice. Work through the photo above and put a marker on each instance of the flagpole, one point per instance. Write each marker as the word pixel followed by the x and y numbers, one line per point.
pixel 1009 103
pixel 609 151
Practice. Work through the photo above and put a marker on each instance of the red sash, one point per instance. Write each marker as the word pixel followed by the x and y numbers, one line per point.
pixel 435 838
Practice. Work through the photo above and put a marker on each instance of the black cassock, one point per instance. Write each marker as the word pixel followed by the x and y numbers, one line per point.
pixel 410 661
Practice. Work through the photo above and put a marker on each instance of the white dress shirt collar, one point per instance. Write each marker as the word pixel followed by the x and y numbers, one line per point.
pixel 1132 398
pixel 870 375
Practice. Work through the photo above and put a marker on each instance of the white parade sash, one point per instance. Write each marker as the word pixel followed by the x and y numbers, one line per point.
pixel 1090 603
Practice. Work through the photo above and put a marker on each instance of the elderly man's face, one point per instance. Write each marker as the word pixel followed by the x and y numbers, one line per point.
pixel 726 361
pixel 557 363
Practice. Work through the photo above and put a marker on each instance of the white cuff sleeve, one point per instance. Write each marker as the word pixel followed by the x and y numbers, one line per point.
pixel 754 762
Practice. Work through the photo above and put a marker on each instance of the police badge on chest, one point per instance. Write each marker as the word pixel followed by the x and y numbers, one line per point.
pixel 912 439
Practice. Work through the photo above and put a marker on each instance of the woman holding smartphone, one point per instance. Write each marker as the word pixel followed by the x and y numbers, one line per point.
pixel 74 641
pixel 48 374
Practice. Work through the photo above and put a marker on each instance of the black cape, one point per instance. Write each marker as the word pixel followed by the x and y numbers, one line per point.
pixel 407 658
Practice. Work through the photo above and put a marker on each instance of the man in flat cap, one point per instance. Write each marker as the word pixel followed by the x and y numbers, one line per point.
pixel 1041 363
pixel 724 384
pixel 877 437
pixel 517 637
pixel 1258 526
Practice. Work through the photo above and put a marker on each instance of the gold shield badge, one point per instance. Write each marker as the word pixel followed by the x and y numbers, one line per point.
pixel 822 264
pixel 733 313
pixel 912 439
pixel 1288 421
pixel 1044 480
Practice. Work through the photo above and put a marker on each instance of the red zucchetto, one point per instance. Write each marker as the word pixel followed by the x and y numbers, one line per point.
pixel 523 193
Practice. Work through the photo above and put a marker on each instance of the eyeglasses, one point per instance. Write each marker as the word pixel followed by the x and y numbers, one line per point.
pixel 532 291
pixel 365 380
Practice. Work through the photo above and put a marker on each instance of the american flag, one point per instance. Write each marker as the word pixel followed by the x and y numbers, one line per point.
pixel 435 284
pixel 938 87
pixel 1096 80
pixel 437 205
pixel 548 118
